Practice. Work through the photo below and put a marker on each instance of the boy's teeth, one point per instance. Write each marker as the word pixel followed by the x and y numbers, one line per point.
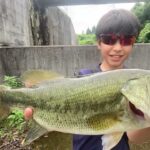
pixel 116 56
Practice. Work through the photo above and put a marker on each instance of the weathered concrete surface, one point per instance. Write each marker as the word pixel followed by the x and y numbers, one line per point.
pixel 81 2
pixel 25 23
pixel 14 22
pixel 63 59
pixel 60 27
pixel 51 26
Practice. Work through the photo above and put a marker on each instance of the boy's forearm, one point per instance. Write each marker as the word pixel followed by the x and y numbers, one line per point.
pixel 139 136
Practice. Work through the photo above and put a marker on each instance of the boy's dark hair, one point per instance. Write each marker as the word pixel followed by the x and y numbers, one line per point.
pixel 118 22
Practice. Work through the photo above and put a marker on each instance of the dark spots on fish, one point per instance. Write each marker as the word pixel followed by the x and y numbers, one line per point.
pixel 95 106
pixel 77 108
pixel 84 108
pixel 57 107
pixel 60 108
pixel 65 108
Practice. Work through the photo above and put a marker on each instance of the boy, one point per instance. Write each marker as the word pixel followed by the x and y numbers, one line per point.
pixel 116 33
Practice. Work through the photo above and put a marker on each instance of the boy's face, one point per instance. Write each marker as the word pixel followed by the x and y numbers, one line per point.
pixel 113 56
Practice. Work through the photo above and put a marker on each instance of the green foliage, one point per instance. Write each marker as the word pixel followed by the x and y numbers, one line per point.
pixel 12 128
pixel 141 10
pixel 12 81
pixel 88 31
pixel 91 31
pixel 15 119
pixel 144 36
pixel 1 132
pixel 138 10
pixel 13 123
pixel 87 39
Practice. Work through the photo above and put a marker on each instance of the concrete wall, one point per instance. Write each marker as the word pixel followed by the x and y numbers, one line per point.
pixel 51 26
pixel 14 22
pixel 24 23
pixel 60 27
pixel 63 59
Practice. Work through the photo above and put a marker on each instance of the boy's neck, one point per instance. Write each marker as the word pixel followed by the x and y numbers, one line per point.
pixel 104 67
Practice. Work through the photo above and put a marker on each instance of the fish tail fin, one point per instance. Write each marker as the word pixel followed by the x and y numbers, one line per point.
pixel 34 133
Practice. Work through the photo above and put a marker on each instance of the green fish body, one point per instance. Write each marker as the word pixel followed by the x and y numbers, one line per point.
pixel 91 105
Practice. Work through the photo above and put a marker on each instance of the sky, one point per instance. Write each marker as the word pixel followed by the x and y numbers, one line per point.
pixel 87 16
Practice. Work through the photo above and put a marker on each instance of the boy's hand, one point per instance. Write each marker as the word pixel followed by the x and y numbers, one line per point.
pixel 28 113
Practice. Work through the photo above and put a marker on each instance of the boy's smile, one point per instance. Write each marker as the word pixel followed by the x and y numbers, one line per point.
pixel 116 57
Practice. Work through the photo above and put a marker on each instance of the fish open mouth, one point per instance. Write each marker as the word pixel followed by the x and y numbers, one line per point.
pixel 136 110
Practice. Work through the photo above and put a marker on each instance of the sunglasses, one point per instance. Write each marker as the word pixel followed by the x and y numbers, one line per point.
pixel 111 39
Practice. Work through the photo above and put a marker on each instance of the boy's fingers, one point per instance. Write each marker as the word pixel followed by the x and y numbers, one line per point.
pixel 28 113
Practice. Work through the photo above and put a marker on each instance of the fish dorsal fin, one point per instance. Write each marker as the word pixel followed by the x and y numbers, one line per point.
pixel 33 77
pixel 111 140
pixel 35 132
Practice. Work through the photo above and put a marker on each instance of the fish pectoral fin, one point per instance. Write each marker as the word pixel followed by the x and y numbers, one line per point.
pixel 111 140
pixel 33 77
pixel 34 133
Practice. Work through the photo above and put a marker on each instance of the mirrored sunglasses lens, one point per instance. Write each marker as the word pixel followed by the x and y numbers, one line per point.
pixel 109 40
pixel 127 40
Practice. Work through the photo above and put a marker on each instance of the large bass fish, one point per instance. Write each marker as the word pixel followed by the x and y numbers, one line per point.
pixel 108 103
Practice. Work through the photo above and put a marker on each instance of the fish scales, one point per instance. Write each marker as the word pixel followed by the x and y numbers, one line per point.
pixel 88 105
